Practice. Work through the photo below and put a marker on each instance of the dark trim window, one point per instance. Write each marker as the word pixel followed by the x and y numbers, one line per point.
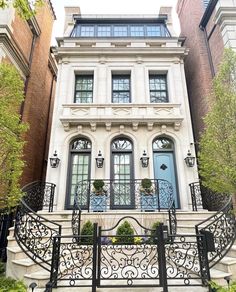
pixel 153 30
pixel 87 30
pixel 136 30
pixel 121 88
pixel 120 30
pixel 158 88
pixel 104 30
pixel 84 89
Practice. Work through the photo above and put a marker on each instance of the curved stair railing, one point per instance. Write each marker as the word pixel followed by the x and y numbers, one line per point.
pixel 33 232
pixel 172 219
pixel 76 217
pixel 220 232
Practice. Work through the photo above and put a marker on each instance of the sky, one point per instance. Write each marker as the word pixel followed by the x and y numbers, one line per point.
pixel 107 7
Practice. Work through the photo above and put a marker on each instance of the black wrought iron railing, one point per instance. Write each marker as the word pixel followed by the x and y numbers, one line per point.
pixel 196 196
pixel 124 194
pixel 33 232
pixel 172 219
pixel 76 217
pixel 39 195
pixel 220 231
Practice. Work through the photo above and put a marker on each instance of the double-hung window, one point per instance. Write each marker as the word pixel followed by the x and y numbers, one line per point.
pixel 158 88
pixel 121 89
pixel 84 89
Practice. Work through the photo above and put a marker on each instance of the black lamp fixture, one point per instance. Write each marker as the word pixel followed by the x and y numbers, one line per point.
pixel 189 160
pixel 54 161
pixel 144 159
pixel 99 160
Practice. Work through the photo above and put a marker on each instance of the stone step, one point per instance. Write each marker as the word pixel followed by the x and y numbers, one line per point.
pixel 41 278
pixel 227 265
pixel 232 251
pixel 218 276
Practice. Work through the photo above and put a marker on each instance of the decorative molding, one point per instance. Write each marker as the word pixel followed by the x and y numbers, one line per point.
pixel 139 60
pixel 66 126
pixel 135 126
pixel 122 129
pixel 34 26
pixel 108 127
pixel 80 128
pixel 149 126
pixel 163 129
pixel 177 126
pixel 102 60
pixel 93 127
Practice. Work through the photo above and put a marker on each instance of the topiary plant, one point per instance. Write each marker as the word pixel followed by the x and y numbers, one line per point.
pixel 146 186
pixel 87 233
pixel 125 234
pixel 98 185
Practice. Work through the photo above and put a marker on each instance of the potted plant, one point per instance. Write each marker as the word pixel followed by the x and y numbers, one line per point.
pixel 98 199
pixel 148 198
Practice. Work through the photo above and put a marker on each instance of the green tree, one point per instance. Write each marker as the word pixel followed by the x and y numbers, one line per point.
pixel 11 140
pixel 217 159
pixel 25 8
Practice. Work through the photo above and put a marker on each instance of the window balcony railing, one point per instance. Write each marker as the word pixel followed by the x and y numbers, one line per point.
pixel 124 194
pixel 111 114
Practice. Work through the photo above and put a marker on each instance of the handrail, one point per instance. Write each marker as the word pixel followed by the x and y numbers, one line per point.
pixel 172 219
pixel 39 195
pixel 196 196
pixel 32 234
pixel 222 230
pixel 76 217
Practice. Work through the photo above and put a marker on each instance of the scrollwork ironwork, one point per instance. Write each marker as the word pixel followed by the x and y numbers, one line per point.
pixel 39 195
pixel 184 262
pixel 196 195
pixel 222 226
pixel 34 233
pixel 172 219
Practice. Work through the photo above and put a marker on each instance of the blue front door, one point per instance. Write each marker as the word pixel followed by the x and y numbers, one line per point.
pixel 164 168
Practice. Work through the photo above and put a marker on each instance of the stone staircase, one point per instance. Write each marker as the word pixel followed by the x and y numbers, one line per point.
pixel 21 267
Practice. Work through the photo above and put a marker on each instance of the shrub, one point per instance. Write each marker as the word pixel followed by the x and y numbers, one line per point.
pixel 217 288
pixel 125 232
pixel 146 183
pixel 87 229
pixel 98 185
pixel 11 285
pixel 153 238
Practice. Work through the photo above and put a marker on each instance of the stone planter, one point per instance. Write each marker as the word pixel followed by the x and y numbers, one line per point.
pixel 98 203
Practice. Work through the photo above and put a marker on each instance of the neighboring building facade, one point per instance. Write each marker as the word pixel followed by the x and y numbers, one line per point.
pixel 26 45
pixel 121 90
pixel 209 26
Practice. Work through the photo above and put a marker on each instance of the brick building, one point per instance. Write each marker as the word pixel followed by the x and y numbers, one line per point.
pixel 209 26
pixel 26 45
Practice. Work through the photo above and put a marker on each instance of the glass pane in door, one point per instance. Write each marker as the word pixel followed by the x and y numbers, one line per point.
pixel 122 174
pixel 79 171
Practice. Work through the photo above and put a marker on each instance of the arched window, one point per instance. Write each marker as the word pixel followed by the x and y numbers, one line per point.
pixel 122 173
pixel 165 167
pixel 79 166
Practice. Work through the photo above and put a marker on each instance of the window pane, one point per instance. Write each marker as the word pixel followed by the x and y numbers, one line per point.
pixel 87 30
pixel 153 30
pixel 137 30
pixel 104 30
pixel 158 88
pixel 120 30
pixel 121 89
pixel 84 89
pixel 162 143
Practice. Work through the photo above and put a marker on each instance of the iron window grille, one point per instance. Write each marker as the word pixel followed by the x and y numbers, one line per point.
pixel 158 88
pixel 121 89
pixel 84 89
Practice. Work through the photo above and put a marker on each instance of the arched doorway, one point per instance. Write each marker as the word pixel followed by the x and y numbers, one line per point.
pixel 122 174
pixel 164 163
pixel 78 168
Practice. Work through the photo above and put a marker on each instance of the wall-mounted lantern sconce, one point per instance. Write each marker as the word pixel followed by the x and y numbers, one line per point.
pixel 189 160
pixel 54 161
pixel 99 160
pixel 144 159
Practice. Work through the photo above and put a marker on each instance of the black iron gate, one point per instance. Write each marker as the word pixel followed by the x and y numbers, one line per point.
pixel 148 258
pixel 131 260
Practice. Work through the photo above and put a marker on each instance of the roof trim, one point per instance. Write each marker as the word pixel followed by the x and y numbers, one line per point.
pixel 208 13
